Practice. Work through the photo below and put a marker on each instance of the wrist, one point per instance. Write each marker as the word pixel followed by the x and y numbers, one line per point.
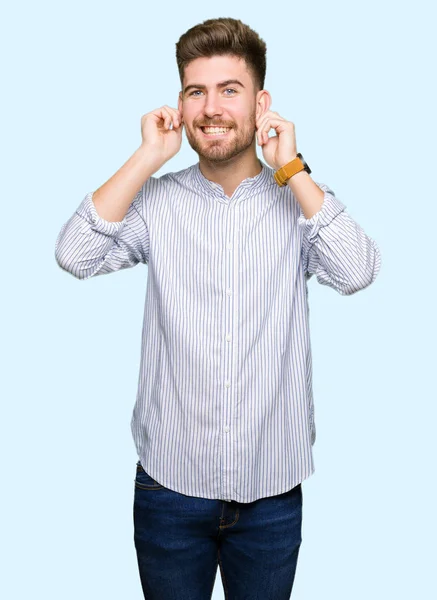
pixel 285 162
pixel 288 170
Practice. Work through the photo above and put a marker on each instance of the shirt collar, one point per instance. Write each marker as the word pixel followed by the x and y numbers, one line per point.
pixel 247 187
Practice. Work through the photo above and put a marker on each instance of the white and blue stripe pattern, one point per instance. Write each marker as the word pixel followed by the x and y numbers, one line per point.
pixel 224 408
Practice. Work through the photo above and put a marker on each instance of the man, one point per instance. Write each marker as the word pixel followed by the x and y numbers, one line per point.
pixel 224 418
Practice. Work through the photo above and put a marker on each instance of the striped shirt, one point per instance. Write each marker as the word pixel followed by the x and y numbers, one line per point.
pixel 224 407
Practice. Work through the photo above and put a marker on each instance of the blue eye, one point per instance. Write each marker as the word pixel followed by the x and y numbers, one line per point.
pixel 232 90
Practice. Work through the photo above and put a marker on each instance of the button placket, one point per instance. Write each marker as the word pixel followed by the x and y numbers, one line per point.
pixel 230 323
pixel 235 257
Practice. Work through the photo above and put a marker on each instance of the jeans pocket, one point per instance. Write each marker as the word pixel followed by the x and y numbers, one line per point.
pixel 144 481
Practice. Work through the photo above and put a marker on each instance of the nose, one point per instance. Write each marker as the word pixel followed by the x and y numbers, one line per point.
pixel 212 106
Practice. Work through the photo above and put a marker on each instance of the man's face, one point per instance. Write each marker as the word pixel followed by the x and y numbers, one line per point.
pixel 233 105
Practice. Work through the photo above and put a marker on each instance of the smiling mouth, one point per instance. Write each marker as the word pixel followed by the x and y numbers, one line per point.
pixel 215 132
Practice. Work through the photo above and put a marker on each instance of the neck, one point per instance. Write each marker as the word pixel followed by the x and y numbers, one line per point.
pixel 229 174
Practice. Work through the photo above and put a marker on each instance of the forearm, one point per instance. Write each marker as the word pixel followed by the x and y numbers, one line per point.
pixel 307 193
pixel 113 198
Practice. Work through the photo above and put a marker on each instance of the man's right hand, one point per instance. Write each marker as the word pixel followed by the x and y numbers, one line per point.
pixel 157 135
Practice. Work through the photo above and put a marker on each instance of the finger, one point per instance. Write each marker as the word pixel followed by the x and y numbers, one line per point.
pixel 263 127
pixel 179 116
pixel 170 117
pixel 263 118
pixel 268 120
pixel 268 124
pixel 258 131
pixel 166 117
pixel 176 116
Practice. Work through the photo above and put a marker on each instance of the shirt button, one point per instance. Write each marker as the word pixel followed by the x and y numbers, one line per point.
pixel 228 384
pixel 229 291
pixel 230 246
pixel 228 337
pixel 226 428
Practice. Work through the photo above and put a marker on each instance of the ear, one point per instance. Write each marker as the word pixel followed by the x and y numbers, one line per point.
pixel 180 102
pixel 264 101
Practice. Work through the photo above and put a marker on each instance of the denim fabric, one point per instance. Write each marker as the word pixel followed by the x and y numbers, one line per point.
pixel 181 540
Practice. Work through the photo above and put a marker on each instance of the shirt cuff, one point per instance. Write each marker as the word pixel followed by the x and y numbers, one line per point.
pixel 330 208
pixel 87 211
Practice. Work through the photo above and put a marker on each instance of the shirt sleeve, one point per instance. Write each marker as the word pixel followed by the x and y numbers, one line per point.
pixel 336 249
pixel 88 245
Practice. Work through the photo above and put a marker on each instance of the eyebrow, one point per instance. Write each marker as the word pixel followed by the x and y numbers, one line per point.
pixel 219 85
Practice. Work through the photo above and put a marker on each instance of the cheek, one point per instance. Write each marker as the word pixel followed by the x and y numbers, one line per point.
pixel 246 121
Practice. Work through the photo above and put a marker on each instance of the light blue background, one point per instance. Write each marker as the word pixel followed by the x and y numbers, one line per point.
pixel 358 81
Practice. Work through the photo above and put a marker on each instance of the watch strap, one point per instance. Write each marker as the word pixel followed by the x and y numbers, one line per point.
pixel 285 172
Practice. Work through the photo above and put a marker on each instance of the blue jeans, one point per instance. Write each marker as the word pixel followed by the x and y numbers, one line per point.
pixel 180 540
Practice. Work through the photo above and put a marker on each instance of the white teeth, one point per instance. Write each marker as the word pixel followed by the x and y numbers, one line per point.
pixel 215 129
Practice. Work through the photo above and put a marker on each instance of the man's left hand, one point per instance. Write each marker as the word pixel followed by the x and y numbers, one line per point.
pixel 279 149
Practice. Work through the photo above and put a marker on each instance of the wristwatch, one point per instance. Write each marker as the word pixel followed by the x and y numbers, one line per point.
pixel 283 174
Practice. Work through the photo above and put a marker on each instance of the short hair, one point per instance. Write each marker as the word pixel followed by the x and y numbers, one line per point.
pixel 223 36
